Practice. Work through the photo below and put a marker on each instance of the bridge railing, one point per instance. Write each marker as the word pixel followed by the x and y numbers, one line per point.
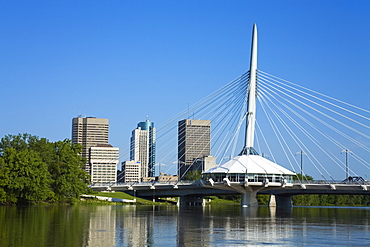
pixel 330 182
pixel 173 183
pixel 143 183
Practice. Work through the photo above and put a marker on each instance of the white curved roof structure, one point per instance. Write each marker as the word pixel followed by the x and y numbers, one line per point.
pixel 254 164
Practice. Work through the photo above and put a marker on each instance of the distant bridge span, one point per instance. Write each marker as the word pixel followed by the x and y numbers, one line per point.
pixel 179 189
pixel 328 189
pixel 198 188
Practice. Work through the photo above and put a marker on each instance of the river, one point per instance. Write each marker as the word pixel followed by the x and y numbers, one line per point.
pixel 95 225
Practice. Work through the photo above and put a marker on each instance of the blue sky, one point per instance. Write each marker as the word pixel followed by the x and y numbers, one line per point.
pixel 124 60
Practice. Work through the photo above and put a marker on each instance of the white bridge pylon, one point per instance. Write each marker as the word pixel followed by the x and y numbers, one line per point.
pixel 249 172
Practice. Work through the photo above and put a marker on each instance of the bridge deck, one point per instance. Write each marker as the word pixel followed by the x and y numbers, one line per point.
pixel 197 188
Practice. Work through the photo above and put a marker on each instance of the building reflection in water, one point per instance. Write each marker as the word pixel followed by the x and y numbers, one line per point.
pixel 233 225
pixel 148 226
pixel 102 227
pixel 134 226
pixel 125 225
pixel 208 226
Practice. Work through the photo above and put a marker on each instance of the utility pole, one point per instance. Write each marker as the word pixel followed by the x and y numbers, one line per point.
pixel 347 151
pixel 159 165
pixel 301 153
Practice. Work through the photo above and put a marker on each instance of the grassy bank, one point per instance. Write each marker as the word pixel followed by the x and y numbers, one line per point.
pixel 306 200
pixel 234 200
pixel 122 195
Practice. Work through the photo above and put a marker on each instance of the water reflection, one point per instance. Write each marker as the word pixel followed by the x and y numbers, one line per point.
pixel 102 227
pixel 185 226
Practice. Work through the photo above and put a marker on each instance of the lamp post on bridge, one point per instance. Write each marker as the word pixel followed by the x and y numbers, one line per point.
pixel 159 165
pixel 179 163
pixel 301 153
pixel 347 151
pixel 264 155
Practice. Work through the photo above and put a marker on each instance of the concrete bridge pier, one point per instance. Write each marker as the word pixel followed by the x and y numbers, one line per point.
pixel 249 199
pixel 280 201
pixel 191 201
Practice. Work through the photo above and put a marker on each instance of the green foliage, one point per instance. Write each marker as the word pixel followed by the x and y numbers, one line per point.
pixel 221 200
pixel 301 200
pixel 35 170
pixel 299 177
pixel 263 199
pixel 234 198
pixel 29 178
pixel 17 142
pixel 69 179
pixel 4 179
pixel 193 175
pixel 331 200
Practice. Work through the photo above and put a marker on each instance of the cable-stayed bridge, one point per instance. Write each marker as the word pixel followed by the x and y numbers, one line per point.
pixel 296 130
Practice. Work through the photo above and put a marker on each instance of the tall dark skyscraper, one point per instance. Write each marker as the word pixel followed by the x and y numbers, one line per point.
pixel 194 141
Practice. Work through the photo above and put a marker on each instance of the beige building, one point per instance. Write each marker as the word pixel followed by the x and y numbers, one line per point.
pixel 89 132
pixel 103 161
pixel 163 177
pixel 148 179
pixel 194 141
pixel 131 171
pixel 205 163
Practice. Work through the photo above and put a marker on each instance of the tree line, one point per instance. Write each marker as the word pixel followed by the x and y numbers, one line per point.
pixel 34 170
pixel 328 200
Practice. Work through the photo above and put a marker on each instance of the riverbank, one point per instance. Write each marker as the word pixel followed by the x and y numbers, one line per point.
pixel 263 200
pixel 121 198
pixel 124 198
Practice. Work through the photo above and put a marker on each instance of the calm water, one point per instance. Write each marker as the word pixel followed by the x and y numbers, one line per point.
pixel 171 226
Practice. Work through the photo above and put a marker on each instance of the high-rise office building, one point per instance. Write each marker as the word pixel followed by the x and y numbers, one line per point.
pixel 103 160
pixel 89 132
pixel 194 141
pixel 143 145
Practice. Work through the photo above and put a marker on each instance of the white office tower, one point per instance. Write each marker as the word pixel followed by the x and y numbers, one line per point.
pixel 103 162
pixel 143 144
pixel 131 171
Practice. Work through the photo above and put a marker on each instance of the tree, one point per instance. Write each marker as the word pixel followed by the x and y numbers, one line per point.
pixel 34 170
pixel 299 177
pixel 29 178
pixel 69 179
pixel 4 179
pixel 193 175
pixel 17 142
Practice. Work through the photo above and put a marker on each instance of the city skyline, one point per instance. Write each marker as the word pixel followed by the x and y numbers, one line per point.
pixel 52 66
